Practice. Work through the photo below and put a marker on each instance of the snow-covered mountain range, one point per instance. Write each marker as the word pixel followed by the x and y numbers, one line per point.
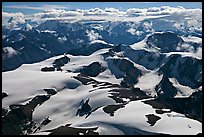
pixel 102 71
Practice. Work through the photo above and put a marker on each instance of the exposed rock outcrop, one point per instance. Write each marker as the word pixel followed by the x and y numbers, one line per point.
pixel 93 70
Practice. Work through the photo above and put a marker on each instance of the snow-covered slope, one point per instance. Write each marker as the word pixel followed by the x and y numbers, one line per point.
pixel 126 121
pixel 104 93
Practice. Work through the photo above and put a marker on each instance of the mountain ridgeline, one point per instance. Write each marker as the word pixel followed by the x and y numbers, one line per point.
pixel 101 77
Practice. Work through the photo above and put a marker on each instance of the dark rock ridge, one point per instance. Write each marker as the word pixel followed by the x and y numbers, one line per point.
pixel 57 64
pixel 110 109
pixel 61 62
pixel 128 93
pixel 149 59
pixel 88 49
pixel 47 69
pixel 93 69
pixel 33 47
pixel 86 80
pixel 18 120
pixel 50 91
pixel 160 111
pixel 131 72
pixel 165 88
pixel 85 109
pixel 67 130
pixel 187 70
pixel 191 107
pixel 166 41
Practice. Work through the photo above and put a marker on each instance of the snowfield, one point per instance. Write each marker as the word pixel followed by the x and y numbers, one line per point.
pixel 132 118
pixel 28 81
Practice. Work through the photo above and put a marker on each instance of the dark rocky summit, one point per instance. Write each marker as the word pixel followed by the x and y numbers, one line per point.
pixel 165 88
pixel 167 41
pixel 93 70
pixel 85 109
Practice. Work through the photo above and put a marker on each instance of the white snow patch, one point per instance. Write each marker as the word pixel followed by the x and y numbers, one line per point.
pixel 192 39
pixel 10 51
pixel 48 31
pixel 62 39
pixel 98 41
pixel 185 91
pixel 186 54
pixel 92 35
pixel 148 81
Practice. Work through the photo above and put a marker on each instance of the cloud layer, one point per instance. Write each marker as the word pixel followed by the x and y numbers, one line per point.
pixel 177 16
pixel 12 19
